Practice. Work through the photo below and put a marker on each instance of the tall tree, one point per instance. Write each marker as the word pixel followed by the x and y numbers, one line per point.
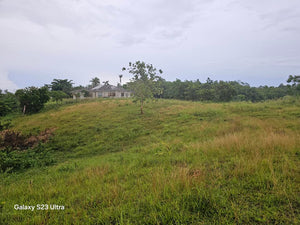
pixel 64 85
pixel 8 103
pixel 224 92
pixel 32 99
pixel 295 80
pixel 95 81
pixel 58 95
pixel 106 83
pixel 144 83
pixel 120 76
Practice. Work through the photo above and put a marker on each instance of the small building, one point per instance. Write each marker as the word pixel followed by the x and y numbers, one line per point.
pixel 110 91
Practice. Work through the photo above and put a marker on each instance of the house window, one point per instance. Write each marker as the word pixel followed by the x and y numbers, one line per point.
pixel 122 94
pixel 99 94
pixel 111 94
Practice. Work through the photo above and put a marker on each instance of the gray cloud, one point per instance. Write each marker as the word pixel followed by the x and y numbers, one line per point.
pixel 144 21
pixel 281 18
pixel 83 38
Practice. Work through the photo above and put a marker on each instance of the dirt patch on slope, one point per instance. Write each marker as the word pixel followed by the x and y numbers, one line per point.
pixel 17 141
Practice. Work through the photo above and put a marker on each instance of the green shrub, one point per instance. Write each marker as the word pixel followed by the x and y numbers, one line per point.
pixel 14 160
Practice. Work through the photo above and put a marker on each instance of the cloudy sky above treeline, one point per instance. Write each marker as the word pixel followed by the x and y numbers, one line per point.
pixel 253 41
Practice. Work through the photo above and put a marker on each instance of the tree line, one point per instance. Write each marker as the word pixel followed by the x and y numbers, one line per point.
pixel 147 84
pixel 224 91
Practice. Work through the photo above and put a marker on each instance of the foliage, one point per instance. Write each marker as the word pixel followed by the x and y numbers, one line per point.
pixel 64 85
pixel 19 151
pixel 95 82
pixel 58 95
pixel 105 83
pixel 8 103
pixel 4 124
pixel 295 80
pixel 144 83
pixel 14 160
pixel 85 93
pixel 120 76
pixel 32 99
pixel 221 91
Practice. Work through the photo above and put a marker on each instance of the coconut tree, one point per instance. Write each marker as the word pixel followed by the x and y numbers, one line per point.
pixel 120 76
pixel 95 81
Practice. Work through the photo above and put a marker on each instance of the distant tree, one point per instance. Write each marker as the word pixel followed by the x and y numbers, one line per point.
pixel 224 91
pixel 168 91
pixel 8 103
pixel 144 83
pixel 32 99
pixel 160 87
pixel 85 93
pixel 58 95
pixel 64 85
pixel 191 90
pixel 78 88
pixel 120 76
pixel 95 81
pixel 295 80
pixel 208 91
pixel 106 83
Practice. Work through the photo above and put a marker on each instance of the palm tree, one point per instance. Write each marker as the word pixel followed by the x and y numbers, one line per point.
pixel 95 81
pixel 105 83
pixel 120 76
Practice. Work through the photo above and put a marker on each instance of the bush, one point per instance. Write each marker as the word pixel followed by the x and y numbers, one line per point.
pixel 13 160
pixel 32 99
pixel 8 103
pixel 4 124
pixel 18 151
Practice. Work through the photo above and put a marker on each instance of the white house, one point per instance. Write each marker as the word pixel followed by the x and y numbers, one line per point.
pixel 110 91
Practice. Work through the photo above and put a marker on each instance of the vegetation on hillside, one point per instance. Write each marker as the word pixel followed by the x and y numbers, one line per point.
pixel 179 163
pixel 8 103
pixel 221 91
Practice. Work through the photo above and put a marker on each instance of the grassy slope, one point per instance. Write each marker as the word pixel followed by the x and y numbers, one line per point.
pixel 179 163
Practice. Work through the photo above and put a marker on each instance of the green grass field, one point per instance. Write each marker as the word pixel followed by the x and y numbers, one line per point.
pixel 179 163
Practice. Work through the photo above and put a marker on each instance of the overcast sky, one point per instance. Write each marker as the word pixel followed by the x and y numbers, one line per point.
pixel 255 41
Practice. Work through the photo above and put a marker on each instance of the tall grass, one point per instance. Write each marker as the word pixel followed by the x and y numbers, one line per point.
pixel 179 163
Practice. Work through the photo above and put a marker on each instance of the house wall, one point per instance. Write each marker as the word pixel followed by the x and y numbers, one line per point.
pixel 95 94
pixel 118 94
pixel 106 94
pixel 126 94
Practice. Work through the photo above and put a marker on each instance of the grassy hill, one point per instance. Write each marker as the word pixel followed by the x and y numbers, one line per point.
pixel 179 163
